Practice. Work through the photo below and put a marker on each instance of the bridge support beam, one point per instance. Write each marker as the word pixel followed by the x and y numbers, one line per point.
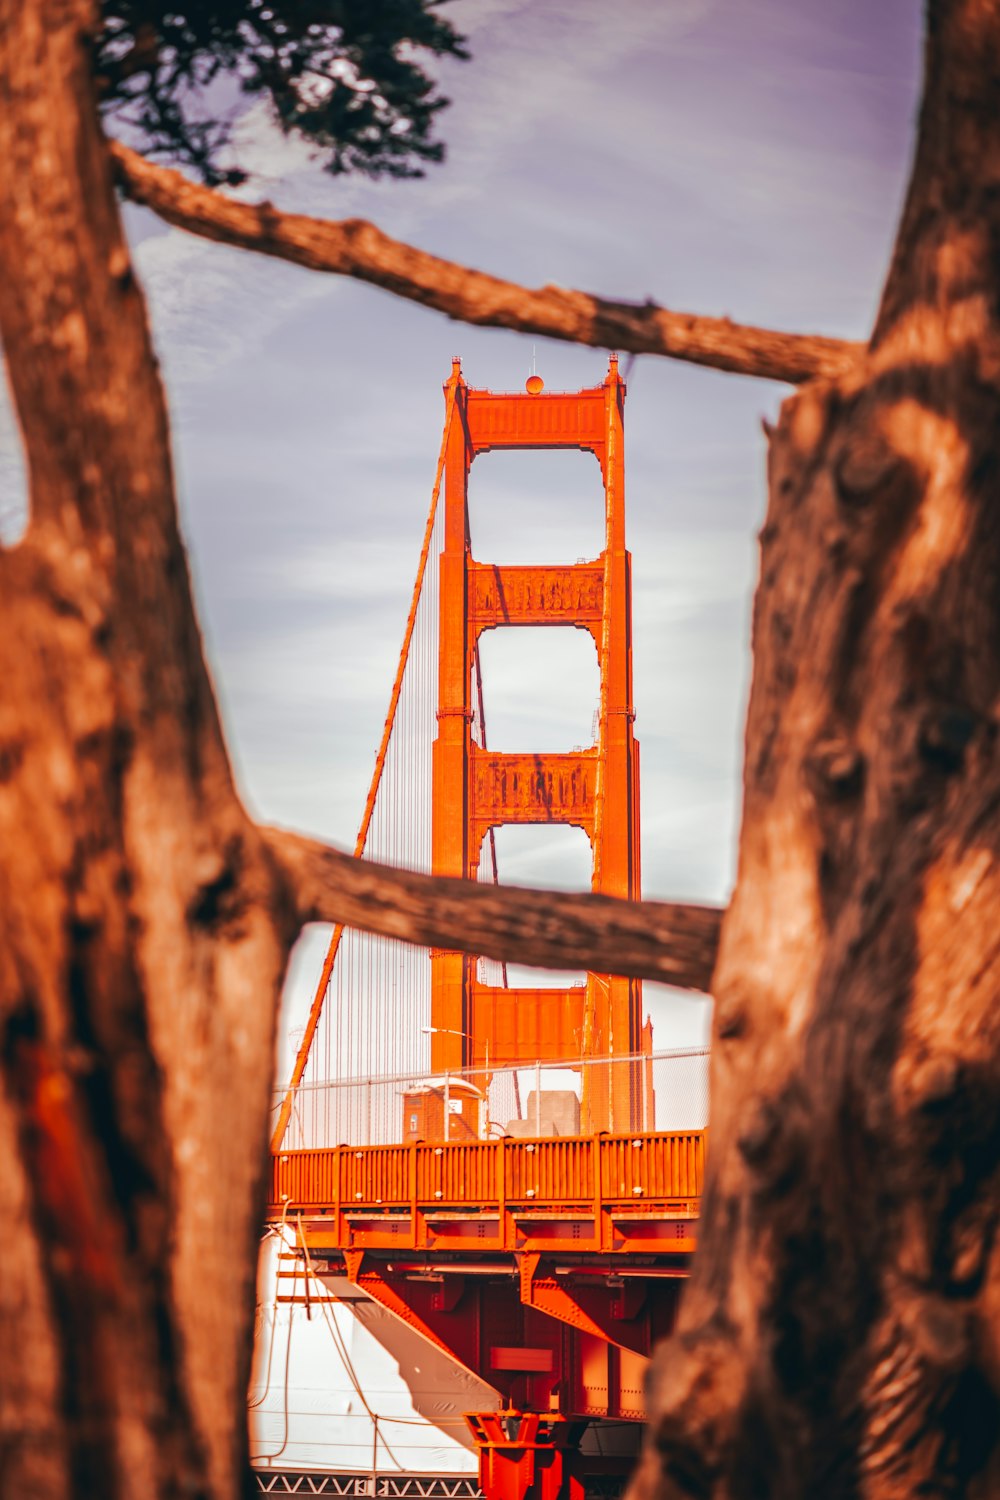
pixel 595 789
pixel 528 1455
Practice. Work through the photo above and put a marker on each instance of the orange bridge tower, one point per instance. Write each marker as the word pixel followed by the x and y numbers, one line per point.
pixel 476 1026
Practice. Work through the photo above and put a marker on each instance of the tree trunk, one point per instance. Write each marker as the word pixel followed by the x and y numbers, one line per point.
pixel 143 934
pixel 841 1333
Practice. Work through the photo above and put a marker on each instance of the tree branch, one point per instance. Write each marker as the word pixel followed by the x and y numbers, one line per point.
pixel 669 943
pixel 354 247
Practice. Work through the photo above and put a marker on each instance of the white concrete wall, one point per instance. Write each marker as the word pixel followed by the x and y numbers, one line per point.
pixel 317 1383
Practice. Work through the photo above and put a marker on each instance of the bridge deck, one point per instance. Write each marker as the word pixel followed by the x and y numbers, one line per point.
pixel 602 1194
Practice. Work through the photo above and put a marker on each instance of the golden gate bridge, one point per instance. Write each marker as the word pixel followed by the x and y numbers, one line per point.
pixel 512 1170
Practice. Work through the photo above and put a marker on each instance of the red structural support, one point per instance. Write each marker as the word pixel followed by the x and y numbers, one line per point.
pixel 528 1453
pixel 597 790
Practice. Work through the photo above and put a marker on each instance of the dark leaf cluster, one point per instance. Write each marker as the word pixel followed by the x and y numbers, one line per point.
pixel 346 75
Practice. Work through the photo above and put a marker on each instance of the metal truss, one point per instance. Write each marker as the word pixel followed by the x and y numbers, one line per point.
pixel 402 1486
pixel 382 1487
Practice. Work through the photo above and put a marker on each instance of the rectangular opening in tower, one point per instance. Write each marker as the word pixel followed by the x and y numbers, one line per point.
pixel 536 507
pixel 541 688
pixel 554 857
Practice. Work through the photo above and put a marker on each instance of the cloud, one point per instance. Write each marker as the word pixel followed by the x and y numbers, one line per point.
pixel 533 65
pixel 211 306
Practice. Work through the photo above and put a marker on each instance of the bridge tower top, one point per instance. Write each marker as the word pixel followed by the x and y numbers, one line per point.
pixel 474 1025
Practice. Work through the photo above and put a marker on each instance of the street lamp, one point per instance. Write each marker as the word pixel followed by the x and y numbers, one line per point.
pixel 466 1036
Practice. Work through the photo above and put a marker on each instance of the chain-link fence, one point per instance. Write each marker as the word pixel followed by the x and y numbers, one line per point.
pixel 640 1092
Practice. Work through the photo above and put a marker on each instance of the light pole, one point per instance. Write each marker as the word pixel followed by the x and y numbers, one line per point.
pixel 445 1031
pixel 448 1031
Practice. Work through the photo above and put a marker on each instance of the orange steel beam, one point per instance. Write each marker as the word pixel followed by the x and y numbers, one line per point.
pixel 597 789
pixel 511 1024
pixel 449 835
pixel 560 419
pixel 615 1008
pixel 482 729
pixel 302 1056
pixel 614 1193
pixel 584 1307
pixel 529 789
pixel 536 596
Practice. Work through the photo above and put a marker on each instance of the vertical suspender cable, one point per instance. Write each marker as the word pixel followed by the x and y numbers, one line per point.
pixel 359 847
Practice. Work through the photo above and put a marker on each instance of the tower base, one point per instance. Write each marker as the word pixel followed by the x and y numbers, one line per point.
pixel 528 1455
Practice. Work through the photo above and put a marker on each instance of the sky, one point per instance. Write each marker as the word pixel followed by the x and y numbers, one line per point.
pixel 739 157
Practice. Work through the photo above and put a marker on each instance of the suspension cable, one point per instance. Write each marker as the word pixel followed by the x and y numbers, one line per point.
pixel 359 847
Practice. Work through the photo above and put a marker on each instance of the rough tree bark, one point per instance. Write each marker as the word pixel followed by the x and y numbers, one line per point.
pixel 140 919
pixel 354 247
pixel 841 1334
